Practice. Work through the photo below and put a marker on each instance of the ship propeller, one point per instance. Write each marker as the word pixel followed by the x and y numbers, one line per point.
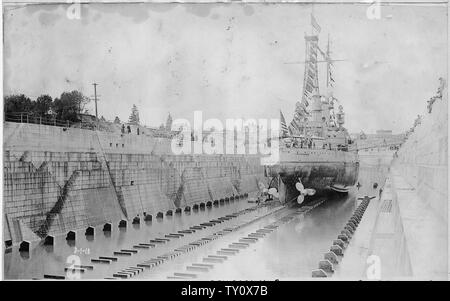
pixel 274 192
pixel 270 191
pixel 303 191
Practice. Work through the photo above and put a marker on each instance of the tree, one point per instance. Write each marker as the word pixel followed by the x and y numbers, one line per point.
pixel 134 116
pixel 69 105
pixel 17 104
pixel 43 105
pixel 117 120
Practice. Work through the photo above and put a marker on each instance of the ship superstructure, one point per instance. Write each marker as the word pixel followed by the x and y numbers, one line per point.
pixel 315 114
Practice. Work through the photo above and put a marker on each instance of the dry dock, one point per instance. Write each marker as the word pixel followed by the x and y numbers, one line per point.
pixel 392 225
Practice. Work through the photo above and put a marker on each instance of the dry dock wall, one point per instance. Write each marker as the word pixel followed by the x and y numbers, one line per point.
pixel 404 232
pixel 419 175
pixel 399 238
pixel 422 159
pixel 60 179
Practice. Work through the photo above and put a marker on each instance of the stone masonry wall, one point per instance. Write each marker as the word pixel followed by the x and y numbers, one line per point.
pixel 57 180
pixel 422 159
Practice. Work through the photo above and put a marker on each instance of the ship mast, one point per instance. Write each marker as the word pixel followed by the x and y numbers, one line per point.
pixel 330 84
pixel 316 112
pixel 310 80
pixel 315 116
pixel 328 64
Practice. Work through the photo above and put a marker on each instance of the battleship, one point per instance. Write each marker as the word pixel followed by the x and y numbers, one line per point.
pixel 316 151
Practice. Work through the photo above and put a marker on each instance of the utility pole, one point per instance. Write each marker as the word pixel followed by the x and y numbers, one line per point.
pixel 95 98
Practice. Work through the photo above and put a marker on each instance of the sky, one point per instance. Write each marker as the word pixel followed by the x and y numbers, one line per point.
pixel 228 60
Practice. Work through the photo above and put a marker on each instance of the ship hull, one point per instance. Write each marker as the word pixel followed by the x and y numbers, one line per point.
pixel 327 174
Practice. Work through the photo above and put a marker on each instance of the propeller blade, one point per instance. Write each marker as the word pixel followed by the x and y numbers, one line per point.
pixel 272 190
pixel 300 199
pixel 299 186
pixel 276 195
pixel 310 191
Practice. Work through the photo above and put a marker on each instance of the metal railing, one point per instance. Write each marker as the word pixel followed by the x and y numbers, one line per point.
pixel 46 120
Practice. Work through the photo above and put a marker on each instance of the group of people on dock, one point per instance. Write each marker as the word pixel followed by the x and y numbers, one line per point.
pixel 128 129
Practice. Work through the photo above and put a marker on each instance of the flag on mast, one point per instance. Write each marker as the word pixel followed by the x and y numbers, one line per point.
pixel 314 24
pixel 331 82
pixel 284 129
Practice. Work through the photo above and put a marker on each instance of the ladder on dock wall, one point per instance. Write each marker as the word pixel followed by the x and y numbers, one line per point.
pixel 58 206
pixel 104 162
pixel 42 229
